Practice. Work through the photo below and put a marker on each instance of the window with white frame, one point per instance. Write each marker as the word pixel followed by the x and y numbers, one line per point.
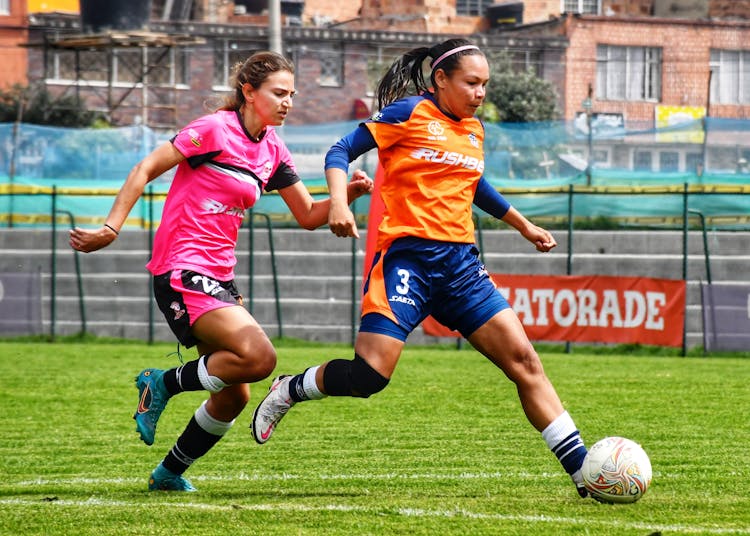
pixel 4 7
pixel 167 67
pixel 693 161
pixel 730 76
pixel 227 54
pixel 589 7
pixel 642 160
pixel 669 161
pixel 331 66
pixel 628 73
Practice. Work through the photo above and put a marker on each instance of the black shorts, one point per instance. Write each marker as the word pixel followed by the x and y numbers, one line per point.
pixel 183 296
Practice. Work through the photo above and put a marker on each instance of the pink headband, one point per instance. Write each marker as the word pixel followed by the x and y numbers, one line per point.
pixel 451 52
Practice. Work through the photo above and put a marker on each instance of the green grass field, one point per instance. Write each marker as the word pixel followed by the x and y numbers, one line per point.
pixel 444 450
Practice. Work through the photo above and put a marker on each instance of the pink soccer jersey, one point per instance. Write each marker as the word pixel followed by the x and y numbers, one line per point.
pixel 223 175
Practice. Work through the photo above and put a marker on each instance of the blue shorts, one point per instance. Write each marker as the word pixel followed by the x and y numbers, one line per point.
pixel 414 278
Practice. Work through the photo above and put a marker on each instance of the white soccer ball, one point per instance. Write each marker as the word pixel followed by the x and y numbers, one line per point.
pixel 616 470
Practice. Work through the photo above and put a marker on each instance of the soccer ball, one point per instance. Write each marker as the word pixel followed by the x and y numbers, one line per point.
pixel 616 470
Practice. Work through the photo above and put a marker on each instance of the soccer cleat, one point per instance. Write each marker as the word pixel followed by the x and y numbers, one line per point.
pixel 577 478
pixel 163 479
pixel 271 409
pixel 152 398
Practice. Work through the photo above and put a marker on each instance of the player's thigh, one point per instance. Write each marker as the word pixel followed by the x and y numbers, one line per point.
pixel 503 341
pixel 231 328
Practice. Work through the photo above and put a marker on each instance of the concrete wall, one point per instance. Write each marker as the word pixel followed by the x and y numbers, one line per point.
pixel 318 275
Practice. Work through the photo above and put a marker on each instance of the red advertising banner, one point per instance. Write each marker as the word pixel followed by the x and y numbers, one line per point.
pixel 592 308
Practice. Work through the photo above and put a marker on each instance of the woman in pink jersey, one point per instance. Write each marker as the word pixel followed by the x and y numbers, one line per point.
pixel 224 161
pixel 430 147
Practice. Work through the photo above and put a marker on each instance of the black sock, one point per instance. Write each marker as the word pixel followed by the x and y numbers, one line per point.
pixel 192 444
pixel 296 389
pixel 183 378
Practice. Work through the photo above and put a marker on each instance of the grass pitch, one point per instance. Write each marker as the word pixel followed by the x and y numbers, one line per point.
pixel 445 449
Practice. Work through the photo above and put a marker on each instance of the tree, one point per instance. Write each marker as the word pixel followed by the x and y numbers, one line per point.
pixel 519 96
pixel 38 106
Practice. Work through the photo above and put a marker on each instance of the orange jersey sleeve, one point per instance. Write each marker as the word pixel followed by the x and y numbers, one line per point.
pixel 432 164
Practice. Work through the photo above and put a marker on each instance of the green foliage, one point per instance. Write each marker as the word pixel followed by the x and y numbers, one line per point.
pixel 519 96
pixel 445 449
pixel 40 107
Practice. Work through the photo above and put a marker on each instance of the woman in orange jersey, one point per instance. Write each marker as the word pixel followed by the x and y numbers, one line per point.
pixel 430 146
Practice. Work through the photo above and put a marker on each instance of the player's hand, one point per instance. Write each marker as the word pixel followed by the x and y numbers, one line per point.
pixel 359 185
pixel 341 221
pixel 88 240
pixel 541 238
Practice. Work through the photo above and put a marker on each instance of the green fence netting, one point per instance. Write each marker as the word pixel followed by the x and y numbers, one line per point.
pixel 537 165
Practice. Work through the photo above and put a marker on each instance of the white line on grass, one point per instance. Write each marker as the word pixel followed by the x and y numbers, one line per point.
pixel 266 477
pixel 611 525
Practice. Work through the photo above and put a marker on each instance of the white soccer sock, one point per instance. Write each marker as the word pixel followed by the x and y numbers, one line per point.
pixel 209 424
pixel 558 429
pixel 310 385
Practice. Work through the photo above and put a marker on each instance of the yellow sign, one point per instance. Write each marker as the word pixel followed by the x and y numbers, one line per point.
pixel 679 124
pixel 49 6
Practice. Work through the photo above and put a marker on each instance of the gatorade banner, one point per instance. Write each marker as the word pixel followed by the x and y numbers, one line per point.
pixel 592 308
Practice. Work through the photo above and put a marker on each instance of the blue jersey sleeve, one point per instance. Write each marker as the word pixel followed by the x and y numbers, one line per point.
pixel 490 200
pixel 348 148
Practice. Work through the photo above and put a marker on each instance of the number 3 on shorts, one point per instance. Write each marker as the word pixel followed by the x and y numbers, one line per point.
pixel 403 288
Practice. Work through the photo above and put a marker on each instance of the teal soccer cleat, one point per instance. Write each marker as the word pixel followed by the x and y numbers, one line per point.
pixel 152 398
pixel 163 479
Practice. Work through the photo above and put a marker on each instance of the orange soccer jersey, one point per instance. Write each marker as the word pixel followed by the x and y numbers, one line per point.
pixel 432 164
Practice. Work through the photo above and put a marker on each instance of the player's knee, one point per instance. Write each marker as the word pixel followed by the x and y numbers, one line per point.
pixel 258 360
pixel 526 367
pixel 352 378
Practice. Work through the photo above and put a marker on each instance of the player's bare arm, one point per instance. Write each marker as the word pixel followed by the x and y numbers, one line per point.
pixel 541 238
pixel 311 214
pixel 160 160
pixel 340 217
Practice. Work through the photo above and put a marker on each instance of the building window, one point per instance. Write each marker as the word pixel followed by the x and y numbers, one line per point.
pixel 628 73
pixel 642 160
pixel 4 7
pixel 331 67
pixel 167 66
pixel 226 55
pixel 693 161
pixel 472 7
pixel 669 161
pixel 730 78
pixel 590 7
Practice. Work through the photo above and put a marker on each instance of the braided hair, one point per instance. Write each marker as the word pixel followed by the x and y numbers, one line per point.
pixel 405 74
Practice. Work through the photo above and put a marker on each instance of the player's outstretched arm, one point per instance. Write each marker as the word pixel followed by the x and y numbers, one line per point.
pixel 157 162
pixel 311 214
pixel 541 238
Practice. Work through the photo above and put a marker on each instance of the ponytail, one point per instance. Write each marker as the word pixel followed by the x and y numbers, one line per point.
pixel 405 76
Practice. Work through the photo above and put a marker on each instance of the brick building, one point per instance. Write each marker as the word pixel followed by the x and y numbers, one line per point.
pixel 637 55
pixel 14 34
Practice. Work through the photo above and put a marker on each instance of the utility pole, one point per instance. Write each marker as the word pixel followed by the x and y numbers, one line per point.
pixel 704 124
pixel 588 106
pixel 274 26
